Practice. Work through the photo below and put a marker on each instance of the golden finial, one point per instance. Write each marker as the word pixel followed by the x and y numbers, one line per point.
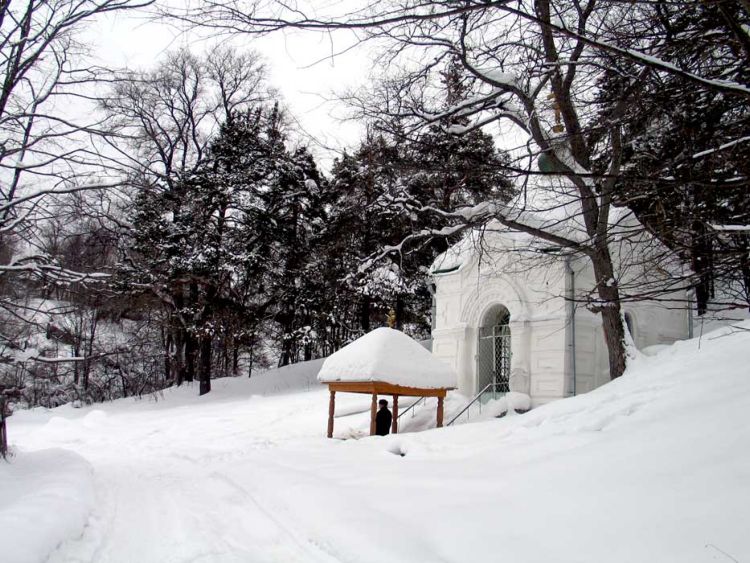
pixel 391 319
pixel 558 126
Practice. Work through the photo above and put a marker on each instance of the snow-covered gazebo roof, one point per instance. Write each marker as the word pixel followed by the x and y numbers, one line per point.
pixel 388 362
pixel 388 356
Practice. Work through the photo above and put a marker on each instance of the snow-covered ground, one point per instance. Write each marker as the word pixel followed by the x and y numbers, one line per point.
pixel 652 467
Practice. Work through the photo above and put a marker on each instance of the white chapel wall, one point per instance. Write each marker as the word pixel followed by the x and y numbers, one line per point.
pixel 537 323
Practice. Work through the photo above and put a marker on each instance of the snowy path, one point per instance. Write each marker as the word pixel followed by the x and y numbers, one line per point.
pixel 182 512
pixel 164 495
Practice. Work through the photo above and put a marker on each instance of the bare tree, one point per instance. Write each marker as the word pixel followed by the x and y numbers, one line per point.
pixel 169 114
pixel 46 82
pixel 45 147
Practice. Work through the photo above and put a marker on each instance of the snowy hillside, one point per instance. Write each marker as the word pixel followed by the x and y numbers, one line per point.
pixel 653 467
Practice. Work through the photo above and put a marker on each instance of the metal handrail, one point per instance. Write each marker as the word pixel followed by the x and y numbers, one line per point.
pixel 474 400
pixel 410 407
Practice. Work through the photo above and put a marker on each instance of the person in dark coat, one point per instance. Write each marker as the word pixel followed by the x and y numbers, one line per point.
pixel 383 419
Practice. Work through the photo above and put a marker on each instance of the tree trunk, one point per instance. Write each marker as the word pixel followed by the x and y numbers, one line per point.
pixel 76 369
pixel 89 351
pixel 702 259
pixel 178 366
pixel 250 359
pixel 86 368
pixel 614 335
pixel 400 309
pixel 189 356
pixel 179 335
pixel 167 356
pixel 364 315
pixel 609 295
pixel 3 431
pixel 744 246
pixel 225 356
pixel 190 341
pixel 286 350
pixel 204 369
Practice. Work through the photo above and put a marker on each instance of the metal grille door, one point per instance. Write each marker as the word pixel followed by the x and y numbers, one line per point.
pixel 493 365
pixel 485 359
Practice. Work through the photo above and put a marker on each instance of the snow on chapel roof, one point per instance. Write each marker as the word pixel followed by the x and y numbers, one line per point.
pixel 547 203
pixel 388 356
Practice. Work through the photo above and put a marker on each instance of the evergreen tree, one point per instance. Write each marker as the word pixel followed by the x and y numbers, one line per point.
pixel 363 221
pixel 374 185
pixel 276 198
pixel 299 218
pixel 222 245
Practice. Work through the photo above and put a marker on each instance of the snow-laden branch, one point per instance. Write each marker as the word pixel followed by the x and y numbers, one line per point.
pixel 725 146
pixel 642 59
pixel 732 228
pixel 56 191
pixel 72 359
pixel 466 218
pixel 38 265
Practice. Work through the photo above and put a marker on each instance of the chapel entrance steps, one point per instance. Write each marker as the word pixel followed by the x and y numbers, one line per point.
pixel 488 393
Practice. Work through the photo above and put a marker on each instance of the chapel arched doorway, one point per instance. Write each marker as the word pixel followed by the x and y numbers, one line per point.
pixel 494 353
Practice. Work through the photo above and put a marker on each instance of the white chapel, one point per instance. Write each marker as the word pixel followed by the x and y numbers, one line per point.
pixel 509 313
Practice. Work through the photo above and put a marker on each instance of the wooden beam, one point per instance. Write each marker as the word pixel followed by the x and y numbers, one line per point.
pixel 382 388
pixel 394 420
pixel 440 412
pixel 373 413
pixel 331 411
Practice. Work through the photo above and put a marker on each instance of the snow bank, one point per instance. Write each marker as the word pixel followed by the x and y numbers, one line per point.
pixel 390 356
pixel 45 499
pixel 295 377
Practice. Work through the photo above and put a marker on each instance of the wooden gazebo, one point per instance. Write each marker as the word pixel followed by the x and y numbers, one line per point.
pixel 386 362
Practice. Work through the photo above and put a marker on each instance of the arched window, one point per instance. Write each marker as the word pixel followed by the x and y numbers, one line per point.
pixel 493 359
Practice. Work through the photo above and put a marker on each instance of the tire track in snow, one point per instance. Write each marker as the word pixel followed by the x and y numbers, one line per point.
pixel 310 549
pixel 180 513
pixel 337 518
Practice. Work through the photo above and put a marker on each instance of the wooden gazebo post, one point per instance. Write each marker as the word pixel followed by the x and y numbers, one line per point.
pixel 394 420
pixel 373 413
pixel 331 410
pixel 440 412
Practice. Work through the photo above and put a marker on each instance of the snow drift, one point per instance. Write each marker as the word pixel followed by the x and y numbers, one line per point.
pixel 45 498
